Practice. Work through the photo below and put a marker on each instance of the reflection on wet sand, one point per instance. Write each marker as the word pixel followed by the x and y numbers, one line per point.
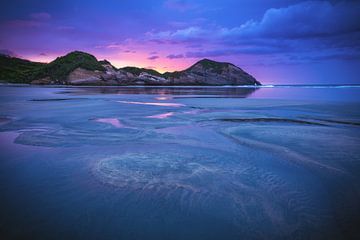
pixel 218 91
pixel 4 120
pixel 162 98
pixel 269 120
pixel 161 116
pixel 154 103
pixel 113 121
pixel 54 99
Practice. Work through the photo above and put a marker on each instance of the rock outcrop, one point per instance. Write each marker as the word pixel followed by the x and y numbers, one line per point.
pixel 84 76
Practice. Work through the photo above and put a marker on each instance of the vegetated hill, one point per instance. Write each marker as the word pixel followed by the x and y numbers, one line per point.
pixel 59 69
pixel 209 72
pixel 107 63
pixel 136 71
pixel 16 70
pixel 216 67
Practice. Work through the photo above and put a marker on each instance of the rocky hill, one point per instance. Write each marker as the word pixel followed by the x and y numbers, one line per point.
pixel 208 72
pixel 79 68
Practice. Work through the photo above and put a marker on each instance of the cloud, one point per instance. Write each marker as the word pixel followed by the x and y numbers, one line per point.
pixel 196 45
pixel 304 20
pixel 40 16
pixel 66 28
pixel 263 50
pixel 175 56
pixel 317 57
pixel 179 5
pixel 34 20
pixel 304 28
pixel 8 52
pixel 227 51
pixel 285 57
pixel 23 24
pixel 181 35
pixel 310 19
pixel 115 45
pixel 153 57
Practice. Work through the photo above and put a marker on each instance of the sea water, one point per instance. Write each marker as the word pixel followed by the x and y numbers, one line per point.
pixel 278 162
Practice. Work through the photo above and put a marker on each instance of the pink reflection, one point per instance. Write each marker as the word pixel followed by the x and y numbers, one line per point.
pixel 162 98
pixel 161 116
pixel 155 104
pixel 113 121
pixel 4 120
pixel 192 112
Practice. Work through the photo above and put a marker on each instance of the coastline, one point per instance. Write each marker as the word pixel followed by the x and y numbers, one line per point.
pixel 184 86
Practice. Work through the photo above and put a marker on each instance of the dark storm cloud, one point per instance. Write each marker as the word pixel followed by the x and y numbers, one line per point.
pixel 304 26
pixel 304 20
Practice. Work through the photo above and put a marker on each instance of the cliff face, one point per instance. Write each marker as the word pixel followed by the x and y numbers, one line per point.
pixel 78 68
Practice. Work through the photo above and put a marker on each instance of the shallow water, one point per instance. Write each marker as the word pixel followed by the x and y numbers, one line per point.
pixel 180 163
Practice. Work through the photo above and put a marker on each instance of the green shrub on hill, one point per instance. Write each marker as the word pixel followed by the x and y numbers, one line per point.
pixel 136 71
pixel 61 67
pixel 23 71
pixel 17 70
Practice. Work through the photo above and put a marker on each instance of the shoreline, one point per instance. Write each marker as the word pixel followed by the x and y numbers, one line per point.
pixel 187 86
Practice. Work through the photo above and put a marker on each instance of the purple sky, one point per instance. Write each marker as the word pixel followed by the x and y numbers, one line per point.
pixel 278 41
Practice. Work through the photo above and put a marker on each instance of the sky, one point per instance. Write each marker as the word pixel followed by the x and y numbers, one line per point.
pixel 277 41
